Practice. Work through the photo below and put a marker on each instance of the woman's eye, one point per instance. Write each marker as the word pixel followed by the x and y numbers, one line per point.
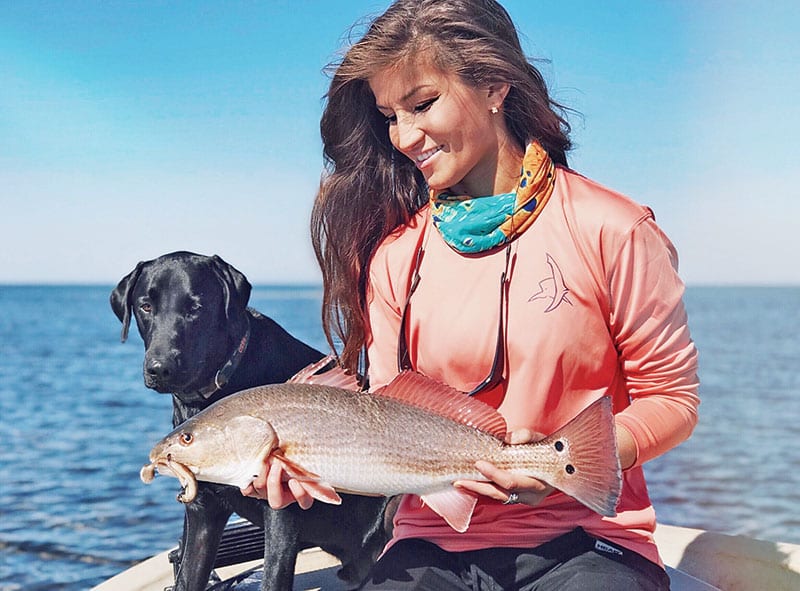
pixel 424 106
pixel 420 108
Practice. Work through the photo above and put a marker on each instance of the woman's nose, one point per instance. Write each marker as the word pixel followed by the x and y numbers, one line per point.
pixel 406 135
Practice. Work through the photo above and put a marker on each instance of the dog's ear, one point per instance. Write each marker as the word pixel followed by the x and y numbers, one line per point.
pixel 235 286
pixel 121 298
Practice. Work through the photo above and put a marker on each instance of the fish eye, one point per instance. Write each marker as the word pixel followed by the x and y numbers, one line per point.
pixel 186 438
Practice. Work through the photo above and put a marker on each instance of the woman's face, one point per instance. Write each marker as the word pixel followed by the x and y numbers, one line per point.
pixel 445 127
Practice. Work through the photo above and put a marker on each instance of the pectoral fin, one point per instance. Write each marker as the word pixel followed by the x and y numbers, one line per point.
pixel 320 491
pixel 454 506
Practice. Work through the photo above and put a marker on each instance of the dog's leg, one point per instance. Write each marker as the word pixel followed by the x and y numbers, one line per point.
pixel 204 523
pixel 281 546
pixel 360 537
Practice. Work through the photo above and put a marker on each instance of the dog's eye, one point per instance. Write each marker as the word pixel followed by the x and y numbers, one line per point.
pixel 186 438
pixel 192 307
pixel 146 308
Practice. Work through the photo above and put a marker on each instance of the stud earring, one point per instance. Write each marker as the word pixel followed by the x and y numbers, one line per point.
pixel 494 110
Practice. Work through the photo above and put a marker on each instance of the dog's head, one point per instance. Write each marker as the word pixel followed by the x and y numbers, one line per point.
pixel 191 311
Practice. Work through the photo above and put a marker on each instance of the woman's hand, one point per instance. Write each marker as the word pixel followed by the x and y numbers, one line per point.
pixel 505 486
pixel 280 490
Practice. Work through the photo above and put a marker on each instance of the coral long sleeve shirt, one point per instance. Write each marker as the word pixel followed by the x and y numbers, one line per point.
pixel 594 309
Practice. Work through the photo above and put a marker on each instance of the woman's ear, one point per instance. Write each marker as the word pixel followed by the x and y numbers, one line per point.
pixel 496 94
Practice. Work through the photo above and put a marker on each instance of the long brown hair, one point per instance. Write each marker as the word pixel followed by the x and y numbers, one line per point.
pixel 369 188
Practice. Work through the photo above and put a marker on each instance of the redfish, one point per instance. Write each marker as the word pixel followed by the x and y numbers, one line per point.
pixel 414 435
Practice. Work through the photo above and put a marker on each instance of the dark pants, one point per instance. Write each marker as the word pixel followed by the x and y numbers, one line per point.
pixel 574 561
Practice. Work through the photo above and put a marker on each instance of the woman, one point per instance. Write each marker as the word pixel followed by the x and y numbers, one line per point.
pixel 537 291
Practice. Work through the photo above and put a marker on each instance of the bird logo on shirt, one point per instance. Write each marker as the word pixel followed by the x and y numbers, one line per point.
pixel 553 289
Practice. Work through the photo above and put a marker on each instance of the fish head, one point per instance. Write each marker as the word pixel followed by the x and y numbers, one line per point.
pixel 230 451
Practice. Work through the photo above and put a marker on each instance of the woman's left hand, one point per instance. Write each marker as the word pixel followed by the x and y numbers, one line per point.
pixel 505 486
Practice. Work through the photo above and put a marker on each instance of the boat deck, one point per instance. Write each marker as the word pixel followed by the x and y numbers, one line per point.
pixel 696 560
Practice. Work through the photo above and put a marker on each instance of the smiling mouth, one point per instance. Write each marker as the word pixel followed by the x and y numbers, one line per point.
pixel 422 158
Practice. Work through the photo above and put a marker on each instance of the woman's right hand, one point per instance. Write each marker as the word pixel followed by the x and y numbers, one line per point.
pixel 280 490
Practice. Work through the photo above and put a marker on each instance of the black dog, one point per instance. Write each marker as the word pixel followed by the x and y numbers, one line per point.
pixel 203 343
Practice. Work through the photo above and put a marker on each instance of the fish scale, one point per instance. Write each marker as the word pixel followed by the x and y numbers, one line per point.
pixel 415 453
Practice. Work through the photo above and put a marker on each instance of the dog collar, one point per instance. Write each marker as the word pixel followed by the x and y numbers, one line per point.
pixel 226 371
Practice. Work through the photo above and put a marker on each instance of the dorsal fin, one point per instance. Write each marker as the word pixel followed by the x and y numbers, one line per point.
pixel 335 376
pixel 418 390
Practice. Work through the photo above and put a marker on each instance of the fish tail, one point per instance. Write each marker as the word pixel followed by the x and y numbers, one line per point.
pixel 587 461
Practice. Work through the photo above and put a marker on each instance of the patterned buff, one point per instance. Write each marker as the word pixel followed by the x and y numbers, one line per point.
pixel 474 224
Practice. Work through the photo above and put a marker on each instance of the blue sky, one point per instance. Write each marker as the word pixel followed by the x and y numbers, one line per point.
pixel 131 129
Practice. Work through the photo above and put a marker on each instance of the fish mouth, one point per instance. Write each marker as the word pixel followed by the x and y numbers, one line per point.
pixel 169 467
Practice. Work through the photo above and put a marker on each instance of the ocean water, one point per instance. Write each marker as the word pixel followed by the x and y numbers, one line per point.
pixel 76 424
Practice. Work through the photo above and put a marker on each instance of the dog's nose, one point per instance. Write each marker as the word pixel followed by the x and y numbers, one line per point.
pixel 157 369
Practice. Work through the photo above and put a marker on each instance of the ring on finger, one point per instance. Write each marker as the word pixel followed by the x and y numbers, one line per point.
pixel 513 499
